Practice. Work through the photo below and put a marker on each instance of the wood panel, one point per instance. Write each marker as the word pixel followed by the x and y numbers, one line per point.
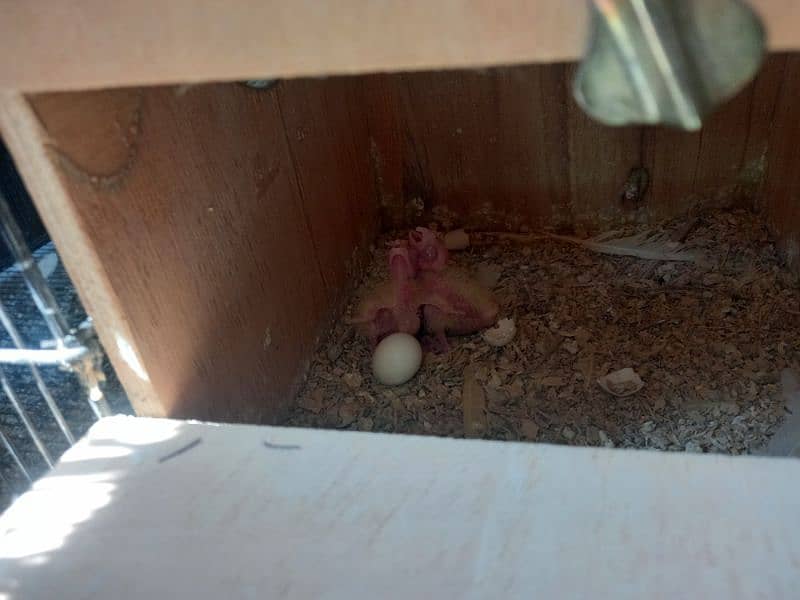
pixel 781 191
pixel 381 111
pixel 763 102
pixel 470 144
pixel 52 45
pixel 600 161
pixel 327 134
pixel 212 230
pixel 214 248
pixel 721 164
pixel 509 148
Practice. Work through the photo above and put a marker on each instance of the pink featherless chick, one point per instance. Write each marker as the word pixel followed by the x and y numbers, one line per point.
pixel 424 293
pixel 426 250
pixel 390 307
pixel 452 302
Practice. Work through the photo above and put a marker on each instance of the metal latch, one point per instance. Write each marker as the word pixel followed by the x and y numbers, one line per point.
pixel 666 61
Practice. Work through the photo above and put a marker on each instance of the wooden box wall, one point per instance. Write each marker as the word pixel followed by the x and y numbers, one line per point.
pixel 214 230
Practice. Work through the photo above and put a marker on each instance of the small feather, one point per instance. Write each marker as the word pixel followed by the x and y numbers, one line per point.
pixel 641 245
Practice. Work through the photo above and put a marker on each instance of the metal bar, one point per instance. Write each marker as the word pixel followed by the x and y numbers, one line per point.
pixel 24 356
pixel 8 356
pixel 43 298
pixel 12 397
pixel 10 449
pixel 40 291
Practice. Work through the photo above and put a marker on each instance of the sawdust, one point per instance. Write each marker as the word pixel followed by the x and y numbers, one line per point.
pixel 709 341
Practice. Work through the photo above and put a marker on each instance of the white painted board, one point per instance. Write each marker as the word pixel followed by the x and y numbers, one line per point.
pixel 353 515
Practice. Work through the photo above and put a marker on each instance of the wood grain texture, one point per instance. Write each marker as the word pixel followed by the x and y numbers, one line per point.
pixel 27 141
pixel 226 261
pixel 509 148
pixel 327 141
pixel 781 190
pixel 472 144
pixel 381 111
pixel 83 44
pixel 600 161
pixel 213 230
pixel 763 103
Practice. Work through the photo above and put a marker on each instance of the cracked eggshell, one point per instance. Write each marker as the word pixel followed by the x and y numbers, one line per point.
pixel 624 382
pixel 501 334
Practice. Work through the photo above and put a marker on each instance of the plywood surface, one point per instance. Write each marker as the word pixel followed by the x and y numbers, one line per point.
pixel 224 261
pixel 255 512
pixel 91 43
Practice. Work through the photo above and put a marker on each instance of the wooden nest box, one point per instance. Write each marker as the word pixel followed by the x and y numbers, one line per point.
pixel 213 230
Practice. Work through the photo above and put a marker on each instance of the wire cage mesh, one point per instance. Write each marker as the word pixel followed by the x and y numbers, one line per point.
pixel 54 375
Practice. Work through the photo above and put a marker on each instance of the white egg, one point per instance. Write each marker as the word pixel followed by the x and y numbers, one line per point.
pixel 397 359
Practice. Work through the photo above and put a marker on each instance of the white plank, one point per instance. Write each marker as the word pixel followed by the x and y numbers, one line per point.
pixel 349 515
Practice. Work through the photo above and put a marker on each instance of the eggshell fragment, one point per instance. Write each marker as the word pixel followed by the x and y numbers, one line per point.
pixel 501 334
pixel 624 382
pixel 396 359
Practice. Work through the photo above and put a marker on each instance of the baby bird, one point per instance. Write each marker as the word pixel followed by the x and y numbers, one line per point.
pixel 391 306
pixel 424 295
